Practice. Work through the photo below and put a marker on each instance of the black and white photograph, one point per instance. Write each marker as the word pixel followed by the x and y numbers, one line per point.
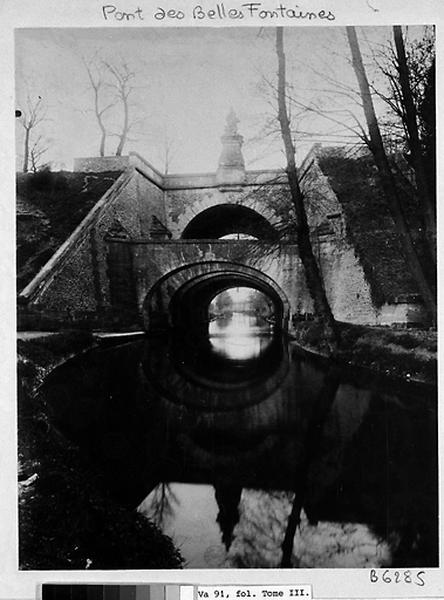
pixel 227 297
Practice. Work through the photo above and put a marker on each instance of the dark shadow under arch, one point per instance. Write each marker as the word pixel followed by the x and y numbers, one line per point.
pixel 180 299
pixel 225 219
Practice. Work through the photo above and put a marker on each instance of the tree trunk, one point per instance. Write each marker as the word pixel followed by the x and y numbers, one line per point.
pixel 411 122
pixel 26 150
pixel 102 128
pixel 124 133
pixel 96 85
pixel 311 269
pixel 387 180
pixel 102 143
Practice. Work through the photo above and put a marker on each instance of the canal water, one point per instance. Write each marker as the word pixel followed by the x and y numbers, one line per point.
pixel 234 443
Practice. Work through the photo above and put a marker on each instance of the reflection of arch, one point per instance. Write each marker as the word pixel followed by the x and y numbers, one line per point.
pixel 182 296
pixel 225 219
pixel 190 374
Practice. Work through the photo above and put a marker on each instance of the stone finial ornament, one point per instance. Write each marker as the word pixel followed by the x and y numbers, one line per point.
pixel 231 124
pixel 231 169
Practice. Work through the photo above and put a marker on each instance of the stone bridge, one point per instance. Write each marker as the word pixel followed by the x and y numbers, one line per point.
pixel 175 281
pixel 153 251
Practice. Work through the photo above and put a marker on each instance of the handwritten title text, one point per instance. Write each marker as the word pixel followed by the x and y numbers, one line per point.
pixel 219 12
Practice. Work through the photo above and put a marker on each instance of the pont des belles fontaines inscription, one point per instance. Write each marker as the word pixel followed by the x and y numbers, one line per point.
pixel 217 12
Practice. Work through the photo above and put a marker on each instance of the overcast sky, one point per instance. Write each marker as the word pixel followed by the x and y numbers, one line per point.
pixel 186 80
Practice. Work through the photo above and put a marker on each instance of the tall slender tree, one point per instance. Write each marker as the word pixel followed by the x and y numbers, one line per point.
pixel 311 268
pixel 411 121
pixel 387 179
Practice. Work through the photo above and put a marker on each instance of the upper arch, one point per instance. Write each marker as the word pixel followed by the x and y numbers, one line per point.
pixel 201 204
pixel 224 219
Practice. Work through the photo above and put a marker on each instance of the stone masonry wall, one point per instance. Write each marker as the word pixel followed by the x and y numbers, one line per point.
pixel 153 260
pixel 79 279
pixel 72 288
pixel 133 210
pixel 345 283
pixel 346 287
pixel 183 205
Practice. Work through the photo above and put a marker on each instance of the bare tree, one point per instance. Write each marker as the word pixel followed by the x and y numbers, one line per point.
pixel 97 83
pixel 411 123
pixel 31 117
pixel 311 268
pixel 169 151
pixel 376 145
pixel 167 144
pixel 112 84
pixel 358 136
pixel 408 129
pixel 37 150
pixel 121 84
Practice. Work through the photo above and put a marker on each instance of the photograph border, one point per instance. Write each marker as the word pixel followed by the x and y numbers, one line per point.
pixel 24 585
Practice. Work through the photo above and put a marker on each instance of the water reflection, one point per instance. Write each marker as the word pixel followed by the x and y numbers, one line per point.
pixel 193 372
pixel 253 538
pixel 233 457
pixel 259 534
pixel 239 336
pixel 195 504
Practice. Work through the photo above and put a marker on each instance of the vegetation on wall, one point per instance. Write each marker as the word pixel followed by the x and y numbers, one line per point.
pixel 369 226
pixel 52 204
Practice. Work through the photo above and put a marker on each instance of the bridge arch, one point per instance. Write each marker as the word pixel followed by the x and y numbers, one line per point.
pixel 200 205
pixel 224 219
pixel 181 298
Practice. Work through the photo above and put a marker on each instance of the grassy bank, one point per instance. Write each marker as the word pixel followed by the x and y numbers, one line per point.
pixel 403 353
pixel 38 356
pixel 67 520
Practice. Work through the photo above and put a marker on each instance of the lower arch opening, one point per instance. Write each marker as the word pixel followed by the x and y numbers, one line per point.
pixel 241 323
pixel 240 301
pixel 185 299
